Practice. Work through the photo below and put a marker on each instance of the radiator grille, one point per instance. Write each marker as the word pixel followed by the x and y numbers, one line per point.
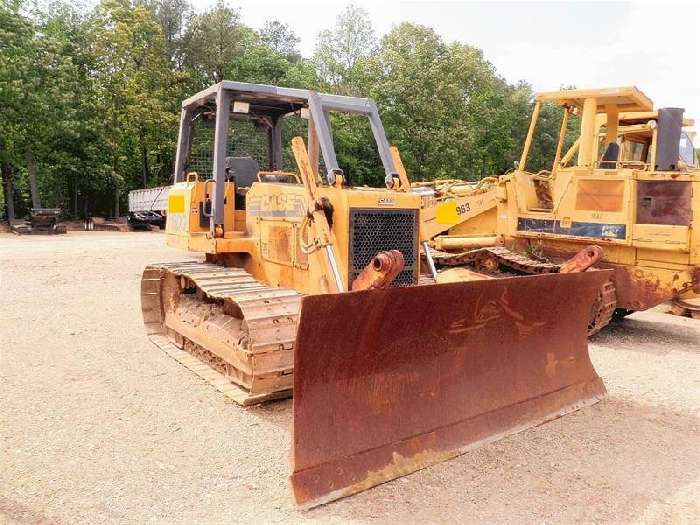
pixel 373 231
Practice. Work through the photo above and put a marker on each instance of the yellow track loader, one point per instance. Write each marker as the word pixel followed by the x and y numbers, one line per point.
pixel 452 202
pixel 310 285
pixel 630 183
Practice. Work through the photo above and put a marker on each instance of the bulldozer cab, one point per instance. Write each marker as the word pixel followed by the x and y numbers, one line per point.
pixel 250 141
pixel 629 179
pixel 623 144
pixel 637 142
pixel 240 191
pixel 587 153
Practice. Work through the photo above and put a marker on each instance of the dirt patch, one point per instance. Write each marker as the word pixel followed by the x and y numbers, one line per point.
pixel 99 426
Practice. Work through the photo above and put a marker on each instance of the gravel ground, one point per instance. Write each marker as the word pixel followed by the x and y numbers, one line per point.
pixel 99 426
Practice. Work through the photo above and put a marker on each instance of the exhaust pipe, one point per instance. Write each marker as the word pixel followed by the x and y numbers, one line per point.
pixel 668 138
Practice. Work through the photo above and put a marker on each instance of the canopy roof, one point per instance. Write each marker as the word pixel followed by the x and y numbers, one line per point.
pixel 627 98
pixel 644 116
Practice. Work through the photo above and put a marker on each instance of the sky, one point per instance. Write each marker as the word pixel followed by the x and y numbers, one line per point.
pixel 655 46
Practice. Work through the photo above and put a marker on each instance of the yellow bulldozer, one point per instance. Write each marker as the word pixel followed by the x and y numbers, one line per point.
pixel 630 183
pixel 308 284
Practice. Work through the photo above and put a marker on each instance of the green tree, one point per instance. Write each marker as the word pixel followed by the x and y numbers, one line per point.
pixel 68 111
pixel 445 106
pixel 342 51
pixel 281 39
pixel 90 98
pixel 16 48
pixel 137 86
pixel 213 42
pixel 52 124
pixel 173 15
pixel 416 92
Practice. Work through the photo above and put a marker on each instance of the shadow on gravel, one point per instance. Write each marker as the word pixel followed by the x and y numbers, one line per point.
pixel 277 413
pixel 18 513
pixel 653 337
pixel 606 463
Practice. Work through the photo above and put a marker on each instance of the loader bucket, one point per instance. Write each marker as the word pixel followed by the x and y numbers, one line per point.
pixel 387 382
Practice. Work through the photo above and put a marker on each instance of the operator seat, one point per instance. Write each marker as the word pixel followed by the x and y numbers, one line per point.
pixel 243 171
pixel 609 159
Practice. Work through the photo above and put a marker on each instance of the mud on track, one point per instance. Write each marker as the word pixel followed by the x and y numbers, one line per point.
pixel 98 426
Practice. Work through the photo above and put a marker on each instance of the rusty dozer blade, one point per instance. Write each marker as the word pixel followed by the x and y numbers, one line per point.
pixel 390 381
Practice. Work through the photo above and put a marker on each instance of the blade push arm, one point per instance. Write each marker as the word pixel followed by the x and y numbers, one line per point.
pixel 322 236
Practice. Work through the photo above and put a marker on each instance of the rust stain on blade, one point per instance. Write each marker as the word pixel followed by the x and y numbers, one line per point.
pixel 398 466
pixel 385 385
pixel 402 466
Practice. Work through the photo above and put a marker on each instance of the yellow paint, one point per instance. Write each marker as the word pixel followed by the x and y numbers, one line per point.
pixel 522 165
pixel 457 209
pixel 400 169
pixel 588 132
pixel 176 204
pixel 464 242
pixel 267 235
pixel 666 255
pixel 190 195
pixel 459 274
pixel 446 213
pixel 457 202
pixel 482 222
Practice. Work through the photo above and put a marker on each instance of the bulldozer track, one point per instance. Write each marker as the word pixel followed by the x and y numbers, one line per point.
pixel 491 259
pixel 603 309
pixel 233 331
pixel 686 308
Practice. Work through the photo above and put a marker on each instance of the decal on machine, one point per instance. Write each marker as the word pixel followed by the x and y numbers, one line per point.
pixel 447 212
pixel 428 201
pixel 177 222
pixel 577 229
pixel 280 205
pixel 176 204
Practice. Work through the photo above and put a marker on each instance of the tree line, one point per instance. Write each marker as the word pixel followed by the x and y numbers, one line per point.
pixel 90 98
